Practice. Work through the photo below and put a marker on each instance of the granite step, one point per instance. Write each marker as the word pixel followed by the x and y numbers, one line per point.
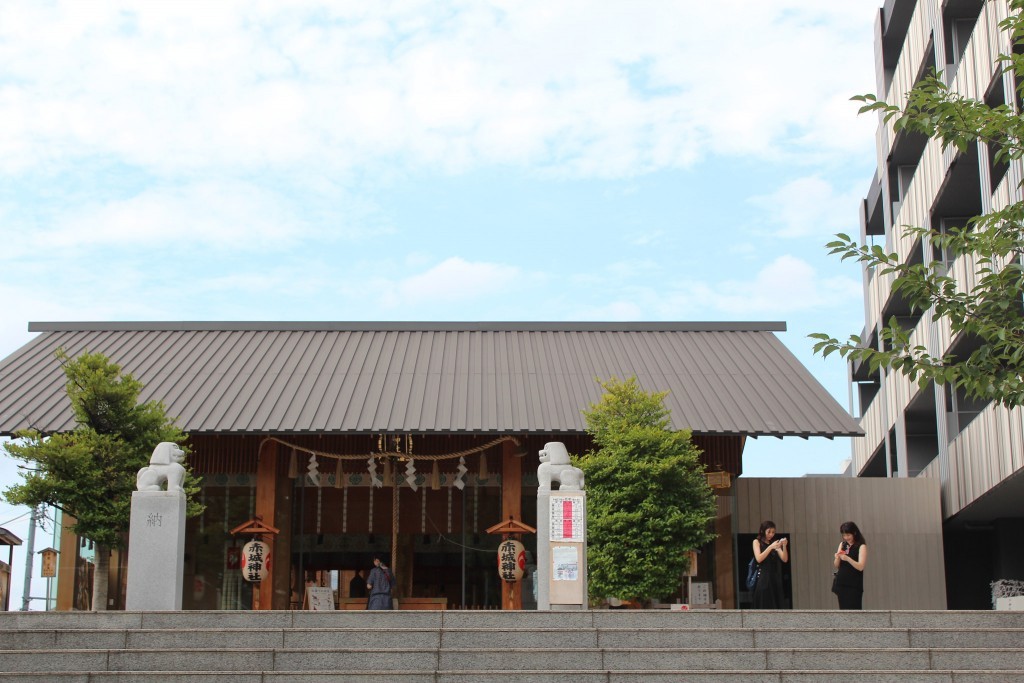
pixel 512 659
pixel 490 676
pixel 400 638
pixel 602 619
pixel 609 646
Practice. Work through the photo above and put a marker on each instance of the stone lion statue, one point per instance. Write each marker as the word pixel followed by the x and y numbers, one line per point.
pixel 164 466
pixel 555 466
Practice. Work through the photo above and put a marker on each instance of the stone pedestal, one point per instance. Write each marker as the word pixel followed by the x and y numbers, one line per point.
pixel 156 550
pixel 561 550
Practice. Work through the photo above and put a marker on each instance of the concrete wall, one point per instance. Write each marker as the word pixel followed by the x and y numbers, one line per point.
pixel 901 520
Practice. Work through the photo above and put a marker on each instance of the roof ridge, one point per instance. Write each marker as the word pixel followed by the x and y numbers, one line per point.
pixel 413 326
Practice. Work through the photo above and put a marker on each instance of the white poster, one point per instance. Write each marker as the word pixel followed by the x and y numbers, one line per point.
pixel 565 560
pixel 700 593
pixel 319 598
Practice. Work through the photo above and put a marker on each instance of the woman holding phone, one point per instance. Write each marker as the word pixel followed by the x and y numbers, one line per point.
pixel 379 584
pixel 850 559
pixel 770 552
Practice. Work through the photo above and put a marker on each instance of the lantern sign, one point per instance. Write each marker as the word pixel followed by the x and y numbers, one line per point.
pixel 511 560
pixel 255 561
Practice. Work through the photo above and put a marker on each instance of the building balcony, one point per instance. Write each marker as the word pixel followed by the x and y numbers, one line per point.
pixel 987 452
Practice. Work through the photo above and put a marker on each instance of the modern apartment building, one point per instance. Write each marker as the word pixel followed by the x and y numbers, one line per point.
pixel 975 449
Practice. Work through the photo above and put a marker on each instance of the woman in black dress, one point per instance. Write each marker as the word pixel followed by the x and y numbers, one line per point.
pixel 850 558
pixel 770 553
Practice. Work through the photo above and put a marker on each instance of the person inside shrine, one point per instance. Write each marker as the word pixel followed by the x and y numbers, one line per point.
pixel 379 584
pixel 357 586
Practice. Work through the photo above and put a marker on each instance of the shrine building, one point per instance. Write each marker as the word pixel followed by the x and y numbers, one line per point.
pixel 407 439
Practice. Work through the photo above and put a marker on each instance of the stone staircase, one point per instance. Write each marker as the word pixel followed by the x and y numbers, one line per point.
pixel 607 646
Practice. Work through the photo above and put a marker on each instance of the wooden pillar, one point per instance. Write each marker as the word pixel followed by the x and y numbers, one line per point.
pixel 724 578
pixel 397 563
pixel 511 506
pixel 266 508
pixel 66 564
pixel 283 543
pixel 405 555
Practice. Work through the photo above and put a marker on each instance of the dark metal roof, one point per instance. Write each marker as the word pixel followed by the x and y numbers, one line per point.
pixel 352 377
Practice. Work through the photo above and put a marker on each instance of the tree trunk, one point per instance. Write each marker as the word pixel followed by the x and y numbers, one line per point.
pixel 100 578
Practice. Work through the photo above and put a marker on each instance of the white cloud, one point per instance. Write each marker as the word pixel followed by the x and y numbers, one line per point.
pixel 809 206
pixel 206 213
pixel 607 92
pixel 235 216
pixel 784 287
pixel 613 310
pixel 452 280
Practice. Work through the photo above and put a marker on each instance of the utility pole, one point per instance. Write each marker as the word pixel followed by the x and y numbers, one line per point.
pixel 30 552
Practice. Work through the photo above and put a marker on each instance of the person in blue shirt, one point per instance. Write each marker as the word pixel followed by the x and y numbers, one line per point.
pixel 379 584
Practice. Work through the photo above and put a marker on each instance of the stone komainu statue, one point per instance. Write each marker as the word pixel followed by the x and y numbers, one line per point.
pixel 164 466
pixel 555 466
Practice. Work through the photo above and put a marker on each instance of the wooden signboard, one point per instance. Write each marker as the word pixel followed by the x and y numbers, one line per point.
pixel 49 562
pixel 318 598
pixel 693 564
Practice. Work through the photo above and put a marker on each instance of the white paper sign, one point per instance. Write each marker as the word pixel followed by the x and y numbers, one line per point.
pixel 700 593
pixel 565 560
pixel 319 598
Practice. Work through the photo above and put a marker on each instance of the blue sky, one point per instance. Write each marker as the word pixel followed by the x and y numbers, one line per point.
pixel 415 160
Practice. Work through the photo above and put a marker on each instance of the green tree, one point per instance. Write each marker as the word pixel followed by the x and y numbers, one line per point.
pixel 988 316
pixel 648 502
pixel 89 473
